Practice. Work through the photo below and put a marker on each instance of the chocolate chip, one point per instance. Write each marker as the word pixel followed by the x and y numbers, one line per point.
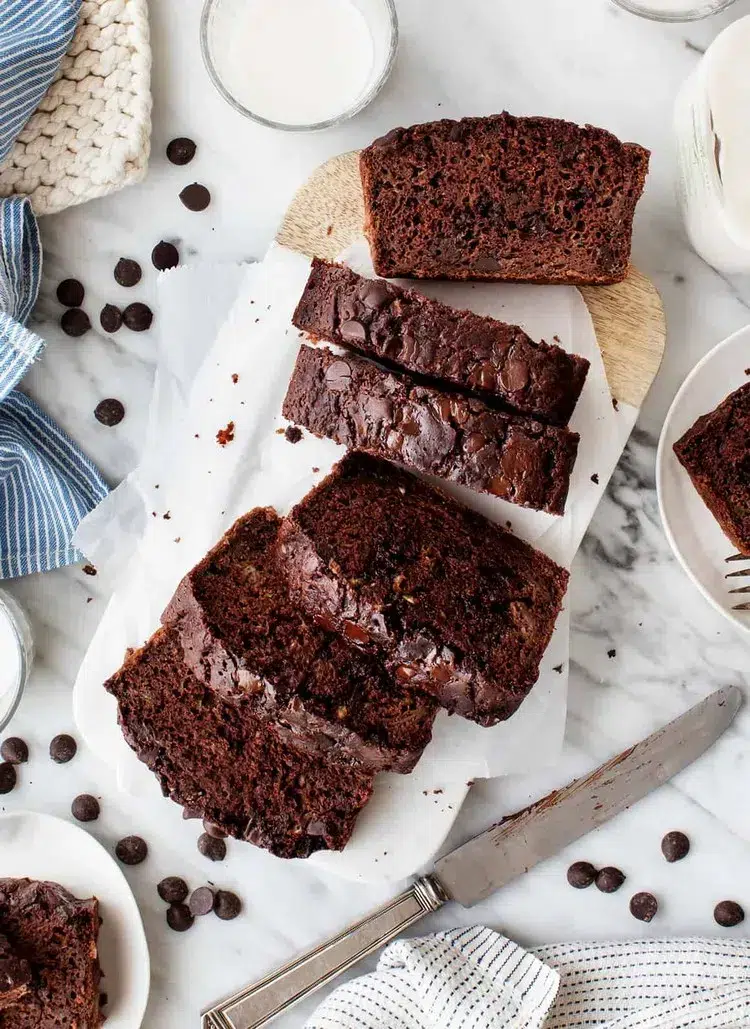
pixel 213 830
pixel 211 848
pixel 103 1000
pixel 8 777
pixel 85 808
pixel 487 264
pixel 227 905
pixel 595 478
pixel 179 918
pixel 609 880
pixel 374 295
pixel 111 318
pixel 190 812
pixel 581 875
pixel 165 256
pixel 195 197
pixel 128 272
pixel 15 750
pixel 181 150
pixel 353 331
pixel 675 846
pixel 109 412
pixel 201 901
pixel 292 434
pixel 173 889
pixel 132 850
pixel 643 906
pixel 515 375
pixel 89 570
pixel 70 293
pixel 338 376
pixel 138 317
pixel 728 913
pixel 63 749
pixel 75 322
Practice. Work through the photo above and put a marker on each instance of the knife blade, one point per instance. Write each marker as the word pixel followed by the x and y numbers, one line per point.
pixel 501 853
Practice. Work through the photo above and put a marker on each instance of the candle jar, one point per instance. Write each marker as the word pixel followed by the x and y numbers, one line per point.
pixel 16 656
pixel 674 10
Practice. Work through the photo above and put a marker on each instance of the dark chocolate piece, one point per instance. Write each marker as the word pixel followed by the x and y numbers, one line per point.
pixel 227 905
pixel 728 914
pixel 128 273
pixel 85 808
pixel 63 749
pixel 609 880
pixel 138 317
pixel 132 850
pixel 173 889
pixel 165 256
pixel 643 906
pixel 195 197
pixel 179 917
pixel 202 901
pixel 75 322
pixel 15 750
pixel 581 875
pixel 109 412
pixel 675 846
pixel 111 318
pixel 212 847
pixel 8 777
pixel 70 293
pixel 181 151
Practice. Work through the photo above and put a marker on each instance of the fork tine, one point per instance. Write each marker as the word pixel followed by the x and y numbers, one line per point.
pixel 741 589
pixel 741 607
pixel 738 574
pixel 737 557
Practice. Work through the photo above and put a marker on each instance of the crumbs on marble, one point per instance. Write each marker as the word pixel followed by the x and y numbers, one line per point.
pixel 509 524
pixel 747 371
pixel 280 432
pixel 612 653
pixel 595 478
pixel 88 570
pixel 167 516
pixel 235 378
pixel 89 599
pixel 224 436
pixel 292 434
pixel 178 539
pixel 615 404
pixel 197 436
pixel 315 470
pixel 555 339
pixel 558 669
pixel 470 783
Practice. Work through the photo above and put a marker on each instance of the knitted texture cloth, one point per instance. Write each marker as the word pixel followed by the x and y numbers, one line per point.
pixel 91 133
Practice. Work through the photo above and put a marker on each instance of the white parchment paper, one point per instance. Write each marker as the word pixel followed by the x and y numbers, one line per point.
pixel 189 490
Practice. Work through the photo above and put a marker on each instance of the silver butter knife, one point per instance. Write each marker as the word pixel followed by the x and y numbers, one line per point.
pixel 490 860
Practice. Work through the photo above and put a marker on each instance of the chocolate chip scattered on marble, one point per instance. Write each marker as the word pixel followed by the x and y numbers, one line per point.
pixel 643 906
pixel 165 256
pixel 63 749
pixel 195 197
pixel 609 879
pixel 15 750
pixel 181 151
pixel 728 914
pixel 581 875
pixel 173 889
pixel 132 850
pixel 179 917
pixel 201 901
pixel 128 273
pixel 70 293
pixel 675 846
pixel 8 777
pixel 211 847
pixel 110 318
pixel 227 905
pixel 109 412
pixel 213 830
pixel 292 434
pixel 85 808
pixel 138 317
pixel 75 322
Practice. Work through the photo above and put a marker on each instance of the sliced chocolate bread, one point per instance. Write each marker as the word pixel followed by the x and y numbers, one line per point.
pixel 715 453
pixel 365 407
pixel 15 974
pixel 219 759
pixel 243 636
pixel 461 608
pixel 519 199
pixel 57 935
pixel 476 354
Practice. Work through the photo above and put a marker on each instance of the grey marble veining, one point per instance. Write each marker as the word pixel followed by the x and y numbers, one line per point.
pixel 581 59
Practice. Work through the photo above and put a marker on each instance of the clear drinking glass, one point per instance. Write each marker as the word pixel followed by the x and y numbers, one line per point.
pixel 382 22
pixel 674 10
pixel 17 655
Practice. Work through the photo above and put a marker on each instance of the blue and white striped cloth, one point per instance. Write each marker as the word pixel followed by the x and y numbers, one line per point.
pixel 47 485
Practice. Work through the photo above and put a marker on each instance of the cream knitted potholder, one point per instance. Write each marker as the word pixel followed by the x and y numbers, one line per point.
pixel 91 133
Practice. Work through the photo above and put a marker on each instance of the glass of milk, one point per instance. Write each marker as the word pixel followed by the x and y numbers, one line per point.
pixel 16 656
pixel 674 10
pixel 299 65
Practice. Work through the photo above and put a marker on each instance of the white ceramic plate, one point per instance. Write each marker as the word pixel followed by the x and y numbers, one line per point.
pixel 42 847
pixel 693 533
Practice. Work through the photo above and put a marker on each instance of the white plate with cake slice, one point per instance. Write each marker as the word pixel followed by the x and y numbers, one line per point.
pixel 693 533
pixel 47 849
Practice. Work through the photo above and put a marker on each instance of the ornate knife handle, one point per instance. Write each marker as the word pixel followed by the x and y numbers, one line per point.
pixel 260 1002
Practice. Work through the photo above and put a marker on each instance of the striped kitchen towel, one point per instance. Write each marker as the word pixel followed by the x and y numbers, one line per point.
pixel 46 484
pixel 476 979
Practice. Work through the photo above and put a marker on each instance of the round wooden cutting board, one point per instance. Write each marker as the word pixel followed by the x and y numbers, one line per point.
pixel 327 215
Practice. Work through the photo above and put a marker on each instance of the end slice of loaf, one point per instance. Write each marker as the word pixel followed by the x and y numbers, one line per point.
pixel 506 198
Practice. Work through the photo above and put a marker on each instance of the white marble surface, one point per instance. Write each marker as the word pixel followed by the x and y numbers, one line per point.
pixel 580 59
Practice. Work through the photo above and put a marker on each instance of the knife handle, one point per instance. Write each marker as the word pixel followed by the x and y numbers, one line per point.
pixel 260 1002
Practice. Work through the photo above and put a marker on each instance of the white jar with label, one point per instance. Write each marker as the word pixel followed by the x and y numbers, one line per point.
pixel 712 122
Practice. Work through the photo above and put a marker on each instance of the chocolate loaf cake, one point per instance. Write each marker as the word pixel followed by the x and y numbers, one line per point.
pixel 715 453
pixel 241 635
pixel 518 199
pixel 461 608
pixel 403 328
pixel 365 407
pixel 219 759
pixel 15 975
pixel 57 935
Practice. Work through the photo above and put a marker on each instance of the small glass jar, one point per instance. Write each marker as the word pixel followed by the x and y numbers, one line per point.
pixel 712 113
pixel 314 73
pixel 16 656
pixel 674 10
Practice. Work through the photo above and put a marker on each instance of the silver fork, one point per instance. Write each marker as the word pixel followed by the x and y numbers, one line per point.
pixel 739 573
